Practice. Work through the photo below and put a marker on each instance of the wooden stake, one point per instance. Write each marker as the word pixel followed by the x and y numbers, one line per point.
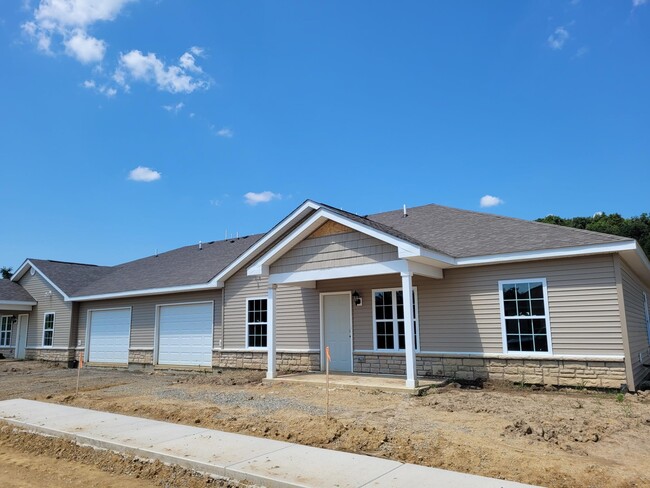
pixel 327 383
pixel 79 366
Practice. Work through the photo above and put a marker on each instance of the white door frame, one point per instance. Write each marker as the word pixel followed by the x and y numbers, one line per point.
pixel 322 330
pixel 22 332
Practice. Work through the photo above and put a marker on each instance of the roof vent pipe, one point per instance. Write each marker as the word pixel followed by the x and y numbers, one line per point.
pixel 405 214
pixel 200 245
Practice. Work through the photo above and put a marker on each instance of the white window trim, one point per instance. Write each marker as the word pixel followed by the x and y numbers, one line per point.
pixel 9 329
pixel 251 348
pixel 647 314
pixel 395 328
pixel 547 318
pixel 45 314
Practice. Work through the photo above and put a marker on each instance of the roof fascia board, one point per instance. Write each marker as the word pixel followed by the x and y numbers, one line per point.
pixel 260 266
pixel 233 267
pixel 49 281
pixel 386 267
pixel 148 291
pixel 547 253
pixel 22 269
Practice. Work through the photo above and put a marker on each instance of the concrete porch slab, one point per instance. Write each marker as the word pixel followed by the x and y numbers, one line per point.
pixel 360 381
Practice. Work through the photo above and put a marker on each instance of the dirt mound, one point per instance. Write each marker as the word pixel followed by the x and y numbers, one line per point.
pixel 109 462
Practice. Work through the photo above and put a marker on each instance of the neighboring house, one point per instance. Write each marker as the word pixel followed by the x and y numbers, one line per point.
pixel 428 291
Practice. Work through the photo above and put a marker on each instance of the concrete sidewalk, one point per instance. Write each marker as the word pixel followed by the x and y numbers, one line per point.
pixel 261 461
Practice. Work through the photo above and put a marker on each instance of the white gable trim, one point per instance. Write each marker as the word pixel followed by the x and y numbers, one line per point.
pixel 23 269
pixel 405 249
pixel 233 267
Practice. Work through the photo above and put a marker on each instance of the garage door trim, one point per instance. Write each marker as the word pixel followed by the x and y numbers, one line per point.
pixel 89 315
pixel 156 337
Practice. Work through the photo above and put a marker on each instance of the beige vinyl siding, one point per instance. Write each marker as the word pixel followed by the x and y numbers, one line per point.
pixel 298 315
pixel 460 313
pixel 143 314
pixel 637 332
pixel 37 287
pixel 347 249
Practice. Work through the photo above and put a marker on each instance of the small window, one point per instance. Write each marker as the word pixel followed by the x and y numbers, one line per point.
pixel 5 330
pixel 389 320
pixel 48 329
pixel 524 316
pixel 256 322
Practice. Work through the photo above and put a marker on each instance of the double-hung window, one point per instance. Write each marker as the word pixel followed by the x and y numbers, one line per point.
pixel 48 329
pixel 256 322
pixel 524 316
pixel 5 330
pixel 388 309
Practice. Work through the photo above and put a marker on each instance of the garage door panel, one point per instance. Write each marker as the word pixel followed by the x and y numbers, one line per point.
pixel 185 334
pixel 109 336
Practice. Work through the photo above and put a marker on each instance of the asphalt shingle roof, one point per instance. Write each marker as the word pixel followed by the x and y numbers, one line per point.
pixel 70 277
pixel 463 233
pixel 187 265
pixel 12 292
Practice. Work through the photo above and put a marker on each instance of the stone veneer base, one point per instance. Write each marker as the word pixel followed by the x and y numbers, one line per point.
pixel 591 374
pixel 286 361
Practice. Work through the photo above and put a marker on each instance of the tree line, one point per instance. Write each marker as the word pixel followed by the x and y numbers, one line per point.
pixel 635 227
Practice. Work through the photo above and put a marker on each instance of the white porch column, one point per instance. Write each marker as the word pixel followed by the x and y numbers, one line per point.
pixel 407 295
pixel 270 332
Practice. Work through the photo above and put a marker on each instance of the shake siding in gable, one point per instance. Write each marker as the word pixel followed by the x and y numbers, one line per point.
pixel 143 314
pixel 347 249
pixel 47 302
pixel 635 317
pixel 298 314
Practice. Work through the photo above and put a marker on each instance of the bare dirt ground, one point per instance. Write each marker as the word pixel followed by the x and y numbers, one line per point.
pixel 563 438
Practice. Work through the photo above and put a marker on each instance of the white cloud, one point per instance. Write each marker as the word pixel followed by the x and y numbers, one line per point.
pixel 149 69
pixel 252 198
pixel 558 38
pixel 103 89
pixel 490 201
pixel 86 49
pixel 142 173
pixel 581 52
pixel 638 3
pixel 68 21
pixel 174 108
pixel 225 132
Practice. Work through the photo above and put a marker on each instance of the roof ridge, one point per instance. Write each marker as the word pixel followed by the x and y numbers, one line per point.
pixel 68 262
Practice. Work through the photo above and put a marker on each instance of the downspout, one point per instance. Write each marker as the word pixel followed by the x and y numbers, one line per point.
pixel 223 316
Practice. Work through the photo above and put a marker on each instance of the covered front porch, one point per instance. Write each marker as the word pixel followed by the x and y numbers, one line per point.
pixel 368 323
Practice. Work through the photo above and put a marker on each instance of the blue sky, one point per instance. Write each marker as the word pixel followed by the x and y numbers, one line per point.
pixel 366 105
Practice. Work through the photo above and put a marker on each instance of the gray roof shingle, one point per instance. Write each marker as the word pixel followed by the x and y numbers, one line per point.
pixel 11 291
pixel 70 277
pixel 463 233
pixel 187 265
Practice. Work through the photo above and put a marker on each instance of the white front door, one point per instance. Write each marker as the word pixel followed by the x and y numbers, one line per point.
pixel 21 336
pixel 185 334
pixel 337 329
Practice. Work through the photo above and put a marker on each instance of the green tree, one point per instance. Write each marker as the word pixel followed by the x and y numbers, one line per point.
pixel 6 273
pixel 635 227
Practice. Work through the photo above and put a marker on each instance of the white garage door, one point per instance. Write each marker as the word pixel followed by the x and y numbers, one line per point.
pixel 185 334
pixel 109 336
